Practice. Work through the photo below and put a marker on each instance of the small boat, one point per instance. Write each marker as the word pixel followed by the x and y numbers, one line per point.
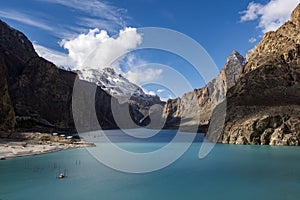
pixel 61 176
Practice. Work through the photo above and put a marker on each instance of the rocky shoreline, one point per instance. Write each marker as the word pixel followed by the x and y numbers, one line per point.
pixel 29 144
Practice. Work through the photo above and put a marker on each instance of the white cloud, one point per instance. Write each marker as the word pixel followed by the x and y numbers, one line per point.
pixel 140 76
pixel 271 15
pixel 160 91
pixel 24 18
pixel 96 13
pixel 58 58
pixel 252 12
pixel 252 40
pixel 97 50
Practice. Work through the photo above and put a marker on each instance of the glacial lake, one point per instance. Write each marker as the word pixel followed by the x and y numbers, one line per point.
pixel 228 172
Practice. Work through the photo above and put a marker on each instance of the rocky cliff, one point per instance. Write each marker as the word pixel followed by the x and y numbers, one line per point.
pixel 263 107
pixel 35 94
pixel 13 54
pixel 7 115
pixel 195 108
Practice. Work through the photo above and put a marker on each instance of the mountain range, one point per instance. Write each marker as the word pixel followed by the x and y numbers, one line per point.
pixel 257 97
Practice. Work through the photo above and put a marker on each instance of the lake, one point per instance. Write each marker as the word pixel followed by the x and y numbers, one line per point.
pixel 228 172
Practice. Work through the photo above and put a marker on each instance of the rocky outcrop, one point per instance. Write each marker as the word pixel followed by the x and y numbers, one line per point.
pixel 263 107
pixel 195 108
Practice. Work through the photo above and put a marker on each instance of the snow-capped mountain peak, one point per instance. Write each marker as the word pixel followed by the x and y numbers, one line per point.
pixel 113 83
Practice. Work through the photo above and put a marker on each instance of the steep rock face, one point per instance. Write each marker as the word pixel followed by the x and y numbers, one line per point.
pixel 195 108
pixel 263 106
pixel 7 115
pixel 40 93
pixel 43 91
pixel 15 50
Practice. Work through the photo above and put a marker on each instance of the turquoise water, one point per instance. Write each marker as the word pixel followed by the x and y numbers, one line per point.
pixel 228 172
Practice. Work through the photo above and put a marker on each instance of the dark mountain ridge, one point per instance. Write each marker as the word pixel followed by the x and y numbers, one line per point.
pixel 36 94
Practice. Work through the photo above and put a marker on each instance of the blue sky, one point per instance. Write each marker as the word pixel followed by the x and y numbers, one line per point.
pixel 219 26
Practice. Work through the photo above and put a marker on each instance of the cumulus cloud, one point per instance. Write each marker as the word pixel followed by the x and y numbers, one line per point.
pixel 160 90
pixel 140 76
pixel 271 15
pixel 97 50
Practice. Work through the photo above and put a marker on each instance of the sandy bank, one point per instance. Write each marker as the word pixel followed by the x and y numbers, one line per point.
pixel 28 144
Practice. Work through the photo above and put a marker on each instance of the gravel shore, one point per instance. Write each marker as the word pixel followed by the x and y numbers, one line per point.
pixel 28 144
